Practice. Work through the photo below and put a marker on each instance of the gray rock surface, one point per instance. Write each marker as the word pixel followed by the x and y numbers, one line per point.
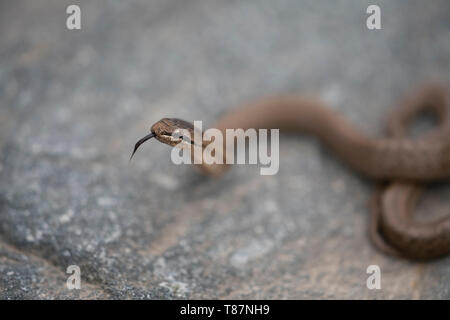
pixel 73 103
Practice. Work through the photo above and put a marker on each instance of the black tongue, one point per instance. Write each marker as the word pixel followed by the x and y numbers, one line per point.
pixel 141 141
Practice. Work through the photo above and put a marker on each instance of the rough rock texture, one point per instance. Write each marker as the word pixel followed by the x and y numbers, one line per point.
pixel 73 103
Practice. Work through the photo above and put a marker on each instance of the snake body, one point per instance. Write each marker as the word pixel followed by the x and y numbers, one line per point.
pixel 400 162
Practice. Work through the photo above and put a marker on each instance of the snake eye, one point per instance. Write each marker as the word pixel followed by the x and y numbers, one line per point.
pixel 184 138
pixel 187 139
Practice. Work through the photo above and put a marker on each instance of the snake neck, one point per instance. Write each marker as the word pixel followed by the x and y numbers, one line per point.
pixel 376 158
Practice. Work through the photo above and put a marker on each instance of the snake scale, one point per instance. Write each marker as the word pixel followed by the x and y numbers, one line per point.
pixel 402 165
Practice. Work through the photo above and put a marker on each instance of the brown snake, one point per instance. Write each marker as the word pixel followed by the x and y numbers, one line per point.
pixel 400 162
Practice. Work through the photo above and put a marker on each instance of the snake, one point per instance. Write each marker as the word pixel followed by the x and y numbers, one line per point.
pixel 401 165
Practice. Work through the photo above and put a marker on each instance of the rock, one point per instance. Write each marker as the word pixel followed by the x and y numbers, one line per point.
pixel 74 102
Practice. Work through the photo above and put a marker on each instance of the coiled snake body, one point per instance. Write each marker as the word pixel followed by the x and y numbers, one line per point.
pixel 400 162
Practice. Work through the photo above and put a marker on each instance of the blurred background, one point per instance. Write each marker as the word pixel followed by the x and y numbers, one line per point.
pixel 74 102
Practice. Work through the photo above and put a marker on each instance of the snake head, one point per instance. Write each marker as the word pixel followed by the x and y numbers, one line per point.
pixel 171 131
